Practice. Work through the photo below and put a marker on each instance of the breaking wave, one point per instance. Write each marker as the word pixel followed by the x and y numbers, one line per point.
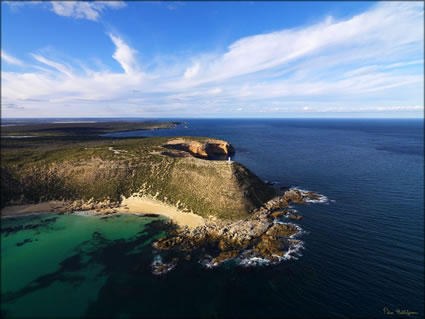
pixel 294 252
pixel 320 198
pixel 86 213
pixel 159 267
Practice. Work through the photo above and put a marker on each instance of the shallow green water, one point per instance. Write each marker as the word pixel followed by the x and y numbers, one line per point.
pixel 54 265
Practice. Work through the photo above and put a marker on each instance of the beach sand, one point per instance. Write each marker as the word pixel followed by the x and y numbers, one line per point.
pixel 21 210
pixel 133 204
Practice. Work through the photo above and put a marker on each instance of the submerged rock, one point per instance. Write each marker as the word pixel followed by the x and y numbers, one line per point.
pixel 159 267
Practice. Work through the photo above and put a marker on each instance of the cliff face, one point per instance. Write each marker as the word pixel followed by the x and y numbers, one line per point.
pixel 175 171
pixel 207 149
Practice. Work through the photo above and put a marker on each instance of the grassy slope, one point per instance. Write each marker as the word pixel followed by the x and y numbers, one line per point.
pixel 48 168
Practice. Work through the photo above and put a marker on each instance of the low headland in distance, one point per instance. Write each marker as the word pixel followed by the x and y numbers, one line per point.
pixel 212 201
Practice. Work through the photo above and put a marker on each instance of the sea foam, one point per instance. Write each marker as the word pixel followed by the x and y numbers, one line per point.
pixel 159 267
pixel 321 198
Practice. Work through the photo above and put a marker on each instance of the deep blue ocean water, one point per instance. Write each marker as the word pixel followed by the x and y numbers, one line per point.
pixel 363 250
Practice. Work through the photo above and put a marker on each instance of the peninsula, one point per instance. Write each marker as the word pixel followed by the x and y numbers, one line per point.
pixel 213 202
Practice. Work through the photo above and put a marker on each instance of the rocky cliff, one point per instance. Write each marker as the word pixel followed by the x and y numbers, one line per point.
pixel 207 149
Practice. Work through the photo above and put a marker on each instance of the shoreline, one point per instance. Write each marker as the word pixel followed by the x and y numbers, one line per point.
pixel 146 205
pixel 130 205
pixel 263 236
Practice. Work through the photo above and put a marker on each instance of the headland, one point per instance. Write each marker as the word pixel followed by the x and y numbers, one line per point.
pixel 212 201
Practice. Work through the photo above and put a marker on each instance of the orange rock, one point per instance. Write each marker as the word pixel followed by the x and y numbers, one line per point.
pixel 297 217
pixel 277 214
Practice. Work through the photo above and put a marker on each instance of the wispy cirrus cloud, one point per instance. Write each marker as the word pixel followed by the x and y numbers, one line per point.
pixel 374 58
pixel 57 66
pixel 10 59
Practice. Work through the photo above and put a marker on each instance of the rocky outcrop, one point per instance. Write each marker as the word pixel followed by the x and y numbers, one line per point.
pixel 295 196
pixel 256 236
pixel 206 149
pixel 293 216
pixel 278 214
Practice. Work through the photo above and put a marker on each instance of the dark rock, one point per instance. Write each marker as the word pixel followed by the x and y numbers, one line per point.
pixel 269 247
pixel 284 230
pixel 225 255
pixel 297 217
pixel 24 242
pixel 283 203
pixel 312 195
pixel 256 235
pixel 148 215
pixel 159 268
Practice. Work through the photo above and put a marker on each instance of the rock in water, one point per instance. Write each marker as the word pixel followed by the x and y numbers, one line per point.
pixel 294 195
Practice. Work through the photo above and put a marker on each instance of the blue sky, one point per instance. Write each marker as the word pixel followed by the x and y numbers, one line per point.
pixel 212 59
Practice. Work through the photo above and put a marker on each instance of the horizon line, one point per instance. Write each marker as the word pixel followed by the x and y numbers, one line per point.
pixel 219 118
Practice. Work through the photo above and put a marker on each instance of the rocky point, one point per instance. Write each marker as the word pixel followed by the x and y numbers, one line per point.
pixel 259 235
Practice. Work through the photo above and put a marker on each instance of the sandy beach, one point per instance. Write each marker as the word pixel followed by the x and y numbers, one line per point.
pixel 21 210
pixel 135 204
pixel 131 205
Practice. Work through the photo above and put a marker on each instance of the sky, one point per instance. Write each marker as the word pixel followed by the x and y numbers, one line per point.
pixel 212 59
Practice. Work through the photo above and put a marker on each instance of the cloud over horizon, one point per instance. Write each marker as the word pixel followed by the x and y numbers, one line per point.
pixel 367 62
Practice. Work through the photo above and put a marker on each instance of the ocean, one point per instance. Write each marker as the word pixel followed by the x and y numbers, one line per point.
pixel 362 250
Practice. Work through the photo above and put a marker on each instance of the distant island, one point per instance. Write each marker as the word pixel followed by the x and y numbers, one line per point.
pixel 213 201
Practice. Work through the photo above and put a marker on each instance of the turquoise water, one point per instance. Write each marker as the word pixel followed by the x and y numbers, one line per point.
pixel 52 265
pixel 363 249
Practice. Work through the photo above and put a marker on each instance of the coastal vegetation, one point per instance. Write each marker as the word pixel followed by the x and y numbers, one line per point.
pixel 80 129
pixel 86 167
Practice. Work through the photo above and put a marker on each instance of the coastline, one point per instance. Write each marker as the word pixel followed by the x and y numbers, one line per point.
pixel 130 205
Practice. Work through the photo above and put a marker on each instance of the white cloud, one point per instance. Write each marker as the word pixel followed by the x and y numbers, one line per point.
pixel 383 33
pixel 372 109
pixel 10 59
pixel 215 91
pixel 75 9
pixel 83 9
pixel 60 67
pixel 336 65
pixel 124 55
pixel 192 71
pixel 402 64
